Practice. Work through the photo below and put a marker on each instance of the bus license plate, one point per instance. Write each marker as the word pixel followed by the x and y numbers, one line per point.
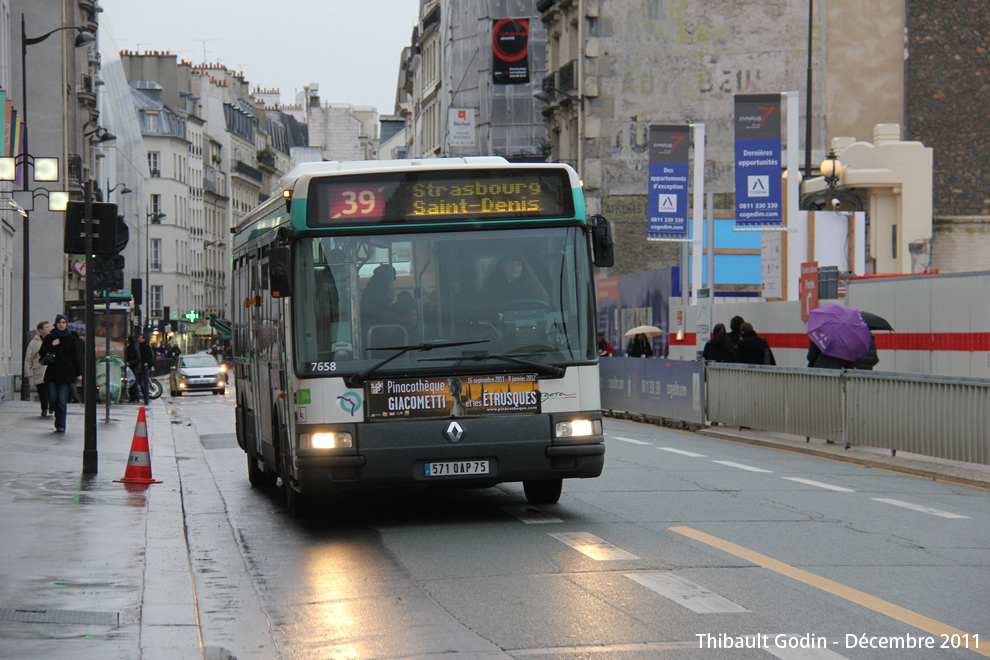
pixel 455 468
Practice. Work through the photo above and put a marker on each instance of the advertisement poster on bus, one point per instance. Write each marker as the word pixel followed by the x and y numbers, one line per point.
pixel 758 169
pixel 510 51
pixel 457 396
pixel 667 205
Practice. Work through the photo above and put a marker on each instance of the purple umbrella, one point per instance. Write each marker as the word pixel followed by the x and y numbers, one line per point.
pixel 839 331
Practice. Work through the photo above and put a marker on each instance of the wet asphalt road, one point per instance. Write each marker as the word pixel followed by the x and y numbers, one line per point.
pixel 686 545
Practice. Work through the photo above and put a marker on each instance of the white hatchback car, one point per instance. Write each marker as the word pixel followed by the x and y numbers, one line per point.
pixel 196 373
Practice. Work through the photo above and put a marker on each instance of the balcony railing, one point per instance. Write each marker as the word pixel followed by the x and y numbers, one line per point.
pixel 247 170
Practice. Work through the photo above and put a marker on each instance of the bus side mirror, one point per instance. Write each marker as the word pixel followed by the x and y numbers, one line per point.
pixel 601 241
pixel 279 269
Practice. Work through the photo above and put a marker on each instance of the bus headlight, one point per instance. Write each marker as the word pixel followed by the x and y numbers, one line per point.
pixel 326 440
pixel 577 428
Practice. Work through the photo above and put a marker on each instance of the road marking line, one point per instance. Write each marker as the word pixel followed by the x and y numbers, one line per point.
pixel 864 599
pixel 741 466
pixel 686 593
pixel 803 654
pixel 531 515
pixel 630 440
pixel 682 452
pixel 809 482
pixel 918 507
pixel 591 546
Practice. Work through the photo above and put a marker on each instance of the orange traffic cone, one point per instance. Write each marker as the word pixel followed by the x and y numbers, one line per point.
pixel 139 463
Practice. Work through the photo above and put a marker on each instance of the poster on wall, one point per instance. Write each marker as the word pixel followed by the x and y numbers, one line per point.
pixel 510 51
pixel 667 205
pixel 757 152
pixel 460 122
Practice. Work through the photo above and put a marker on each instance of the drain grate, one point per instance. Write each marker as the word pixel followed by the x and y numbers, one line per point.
pixel 59 616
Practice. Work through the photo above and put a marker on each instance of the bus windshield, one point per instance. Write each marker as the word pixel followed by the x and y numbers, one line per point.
pixel 508 297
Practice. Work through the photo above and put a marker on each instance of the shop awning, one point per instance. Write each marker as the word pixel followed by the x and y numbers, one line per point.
pixel 223 330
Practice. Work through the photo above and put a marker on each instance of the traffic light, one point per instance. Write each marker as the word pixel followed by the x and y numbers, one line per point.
pixel 104 216
pixel 107 272
pixel 108 269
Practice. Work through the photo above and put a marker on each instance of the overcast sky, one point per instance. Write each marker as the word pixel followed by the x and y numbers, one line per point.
pixel 351 48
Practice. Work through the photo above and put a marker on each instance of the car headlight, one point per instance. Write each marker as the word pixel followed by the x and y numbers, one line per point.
pixel 326 440
pixel 223 368
pixel 577 428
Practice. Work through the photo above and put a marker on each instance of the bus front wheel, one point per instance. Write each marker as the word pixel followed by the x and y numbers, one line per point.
pixel 544 491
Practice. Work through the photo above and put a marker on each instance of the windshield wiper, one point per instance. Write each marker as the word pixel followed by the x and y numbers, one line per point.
pixel 356 380
pixel 550 370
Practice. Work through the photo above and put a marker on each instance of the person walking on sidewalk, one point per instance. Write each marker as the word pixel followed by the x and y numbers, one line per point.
pixel 64 371
pixel 34 367
pixel 147 366
pixel 132 355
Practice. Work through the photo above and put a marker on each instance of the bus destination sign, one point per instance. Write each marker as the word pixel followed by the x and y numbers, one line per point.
pixel 441 196
pixel 457 396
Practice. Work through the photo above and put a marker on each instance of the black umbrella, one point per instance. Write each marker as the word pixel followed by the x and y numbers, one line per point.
pixel 874 322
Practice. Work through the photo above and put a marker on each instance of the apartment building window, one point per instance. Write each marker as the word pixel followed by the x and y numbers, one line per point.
pixel 154 163
pixel 155 254
pixel 156 208
pixel 151 122
pixel 155 304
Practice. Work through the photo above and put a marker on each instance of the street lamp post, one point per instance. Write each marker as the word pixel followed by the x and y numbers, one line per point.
pixel 82 39
pixel 832 170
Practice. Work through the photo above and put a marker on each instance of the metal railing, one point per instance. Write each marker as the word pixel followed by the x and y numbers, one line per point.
pixel 934 416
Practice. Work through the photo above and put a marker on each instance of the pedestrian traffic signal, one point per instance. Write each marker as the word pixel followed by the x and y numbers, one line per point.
pixel 107 272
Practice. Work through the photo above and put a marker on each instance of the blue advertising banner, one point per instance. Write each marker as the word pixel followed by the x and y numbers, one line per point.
pixel 660 388
pixel 758 165
pixel 667 207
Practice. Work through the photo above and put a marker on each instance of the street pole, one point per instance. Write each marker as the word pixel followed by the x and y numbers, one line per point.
pixel 90 455
pixel 26 286
pixel 807 100
pixel 106 355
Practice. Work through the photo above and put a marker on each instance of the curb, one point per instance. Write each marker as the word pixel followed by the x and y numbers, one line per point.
pixel 918 467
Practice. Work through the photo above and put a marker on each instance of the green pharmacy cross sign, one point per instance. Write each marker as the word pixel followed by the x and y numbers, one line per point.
pixel 191 315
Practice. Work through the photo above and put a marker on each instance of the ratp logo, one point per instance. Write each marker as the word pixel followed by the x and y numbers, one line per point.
pixel 350 402
pixel 758 186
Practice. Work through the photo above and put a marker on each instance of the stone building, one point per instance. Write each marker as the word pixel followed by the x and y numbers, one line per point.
pixel 460 103
pixel 623 65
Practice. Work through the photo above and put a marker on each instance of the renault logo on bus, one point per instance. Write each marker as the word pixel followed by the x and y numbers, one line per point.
pixel 454 432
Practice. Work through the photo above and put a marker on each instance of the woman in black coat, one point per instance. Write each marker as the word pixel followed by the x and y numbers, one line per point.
pixel 720 347
pixel 753 349
pixel 63 372
pixel 640 346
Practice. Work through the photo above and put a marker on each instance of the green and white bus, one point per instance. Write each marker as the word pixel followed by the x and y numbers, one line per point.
pixel 419 323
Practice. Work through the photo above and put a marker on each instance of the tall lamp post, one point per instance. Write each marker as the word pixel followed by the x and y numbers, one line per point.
pixel 82 39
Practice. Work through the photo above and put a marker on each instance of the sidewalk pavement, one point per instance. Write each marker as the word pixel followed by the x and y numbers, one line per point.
pixel 970 474
pixel 90 568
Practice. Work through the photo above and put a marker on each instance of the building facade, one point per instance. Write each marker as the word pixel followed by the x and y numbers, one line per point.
pixel 60 113
pixel 468 97
pixel 625 64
